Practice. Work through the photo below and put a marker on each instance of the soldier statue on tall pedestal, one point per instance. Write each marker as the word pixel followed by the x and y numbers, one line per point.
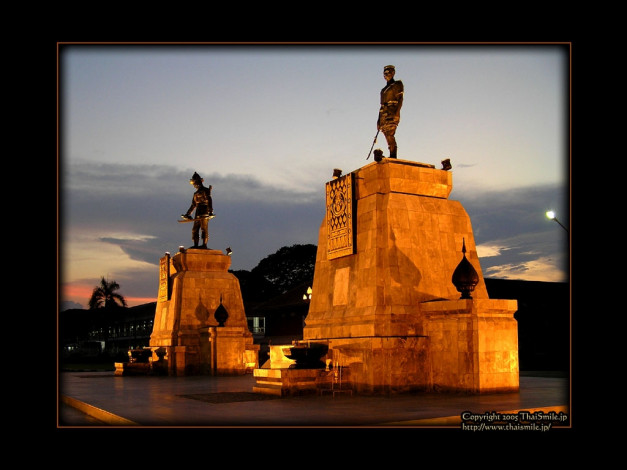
pixel 202 202
pixel 390 111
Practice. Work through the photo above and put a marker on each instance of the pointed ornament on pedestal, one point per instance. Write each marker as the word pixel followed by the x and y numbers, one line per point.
pixel 465 277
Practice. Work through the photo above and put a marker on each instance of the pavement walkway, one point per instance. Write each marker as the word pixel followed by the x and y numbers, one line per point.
pixel 88 399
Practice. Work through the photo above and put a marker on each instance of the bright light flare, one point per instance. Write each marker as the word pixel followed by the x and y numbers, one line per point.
pixel 551 215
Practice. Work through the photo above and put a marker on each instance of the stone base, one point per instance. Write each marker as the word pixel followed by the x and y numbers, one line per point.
pixel 132 368
pixel 235 353
pixel 278 359
pixel 288 382
pixel 281 377
pixel 473 345
pixel 383 365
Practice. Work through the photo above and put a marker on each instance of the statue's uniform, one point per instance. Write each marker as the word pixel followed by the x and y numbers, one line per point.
pixel 390 112
pixel 203 204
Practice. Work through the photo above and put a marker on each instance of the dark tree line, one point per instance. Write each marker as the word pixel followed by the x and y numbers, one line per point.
pixel 278 273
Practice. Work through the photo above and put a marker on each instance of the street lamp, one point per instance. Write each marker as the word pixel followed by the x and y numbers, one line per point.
pixel 307 296
pixel 551 215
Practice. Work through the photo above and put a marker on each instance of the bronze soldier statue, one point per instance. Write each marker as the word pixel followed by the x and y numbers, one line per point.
pixel 390 111
pixel 202 202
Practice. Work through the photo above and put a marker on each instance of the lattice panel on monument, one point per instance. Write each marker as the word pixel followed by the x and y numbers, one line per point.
pixel 339 217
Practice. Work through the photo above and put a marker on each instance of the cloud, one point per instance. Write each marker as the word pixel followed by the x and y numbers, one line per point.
pixel 514 238
pixel 540 256
pixel 512 259
pixel 135 246
pixel 540 269
pixel 169 181
pixel 489 250
pixel 119 220
pixel 500 214
pixel 83 249
pixel 68 304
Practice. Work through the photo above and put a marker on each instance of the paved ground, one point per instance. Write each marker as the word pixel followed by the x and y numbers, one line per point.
pixel 101 399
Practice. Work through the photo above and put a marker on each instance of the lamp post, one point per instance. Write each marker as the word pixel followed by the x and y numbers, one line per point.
pixel 307 296
pixel 551 215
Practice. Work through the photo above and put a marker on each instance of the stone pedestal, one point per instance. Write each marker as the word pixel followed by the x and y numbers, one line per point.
pixel 473 345
pixel 278 358
pixel 282 377
pixel 387 247
pixel 194 284
pixel 127 368
pixel 287 382
pixel 234 352
pixel 383 364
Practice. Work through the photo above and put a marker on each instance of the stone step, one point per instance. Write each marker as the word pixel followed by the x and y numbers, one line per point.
pixel 268 390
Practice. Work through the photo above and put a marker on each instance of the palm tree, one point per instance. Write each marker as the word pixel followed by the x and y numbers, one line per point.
pixel 105 296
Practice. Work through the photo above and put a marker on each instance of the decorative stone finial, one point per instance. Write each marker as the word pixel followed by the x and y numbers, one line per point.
pixel 465 277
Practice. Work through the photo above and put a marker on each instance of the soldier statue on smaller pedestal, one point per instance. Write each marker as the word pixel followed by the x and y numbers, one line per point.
pixel 202 202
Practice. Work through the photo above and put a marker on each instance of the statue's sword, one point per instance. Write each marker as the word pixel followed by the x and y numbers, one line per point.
pixel 373 142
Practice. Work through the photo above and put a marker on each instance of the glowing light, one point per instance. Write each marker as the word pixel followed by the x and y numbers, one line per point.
pixel 307 296
pixel 551 215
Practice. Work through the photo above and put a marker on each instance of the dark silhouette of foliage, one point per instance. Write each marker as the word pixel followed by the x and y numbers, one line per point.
pixel 104 296
pixel 278 273
pixel 254 287
pixel 288 267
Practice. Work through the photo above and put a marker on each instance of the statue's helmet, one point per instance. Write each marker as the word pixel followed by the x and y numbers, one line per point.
pixel 196 179
pixel 390 68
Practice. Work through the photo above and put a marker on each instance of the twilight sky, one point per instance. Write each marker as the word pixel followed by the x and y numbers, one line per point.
pixel 266 124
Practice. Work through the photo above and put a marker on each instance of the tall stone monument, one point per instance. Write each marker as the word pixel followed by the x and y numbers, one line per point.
pixel 383 295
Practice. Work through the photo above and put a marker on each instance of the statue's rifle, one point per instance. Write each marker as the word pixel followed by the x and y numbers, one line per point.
pixel 373 142
pixel 205 217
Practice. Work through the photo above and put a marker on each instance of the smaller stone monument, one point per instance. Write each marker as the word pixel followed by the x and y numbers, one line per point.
pixel 200 325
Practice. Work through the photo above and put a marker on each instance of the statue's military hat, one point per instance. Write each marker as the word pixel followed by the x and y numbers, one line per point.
pixel 196 179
